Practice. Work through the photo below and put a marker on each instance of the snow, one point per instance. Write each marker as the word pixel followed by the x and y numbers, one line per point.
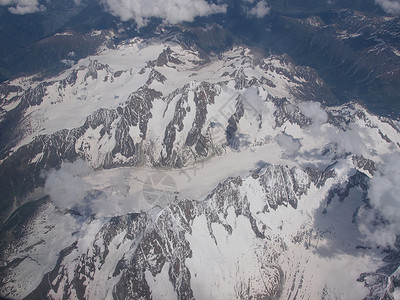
pixel 95 147
pixel 396 294
pixel 160 285
pixel 64 34
pixel 11 105
pixel 102 285
pixel 67 108
pixel 134 132
pixel 87 234
pixel 50 232
pixel 397 52
pixel 37 158
pixel 233 258
pixel 228 257
pixel 192 182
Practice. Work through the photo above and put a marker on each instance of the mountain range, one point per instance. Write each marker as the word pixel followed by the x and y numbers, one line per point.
pixel 210 159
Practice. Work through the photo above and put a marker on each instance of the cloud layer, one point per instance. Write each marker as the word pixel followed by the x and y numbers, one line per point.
pixel 69 188
pixel 66 186
pixel 78 187
pixel 21 7
pixel 390 6
pixel 171 11
pixel 381 223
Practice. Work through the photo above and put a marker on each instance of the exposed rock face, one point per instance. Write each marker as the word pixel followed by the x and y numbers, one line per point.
pixel 364 164
pixel 288 112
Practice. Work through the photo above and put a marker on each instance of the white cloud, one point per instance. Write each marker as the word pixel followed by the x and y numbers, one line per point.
pixel 252 102
pixel 390 6
pixel 355 139
pixel 319 117
pixel 381 224
pixel 69 188
pixel 385 188
pixel 315 112
pixel 66 187
pixel 260 10
pixel 171 11
pixel 21 7
pixel 289 144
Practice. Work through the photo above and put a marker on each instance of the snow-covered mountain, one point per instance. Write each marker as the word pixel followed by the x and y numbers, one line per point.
pixel 156 169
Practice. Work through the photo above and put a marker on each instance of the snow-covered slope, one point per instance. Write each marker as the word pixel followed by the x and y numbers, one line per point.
pixel 193 175
pixel 280 232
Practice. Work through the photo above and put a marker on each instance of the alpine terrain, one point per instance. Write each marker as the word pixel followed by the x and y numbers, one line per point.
pixel 195 161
